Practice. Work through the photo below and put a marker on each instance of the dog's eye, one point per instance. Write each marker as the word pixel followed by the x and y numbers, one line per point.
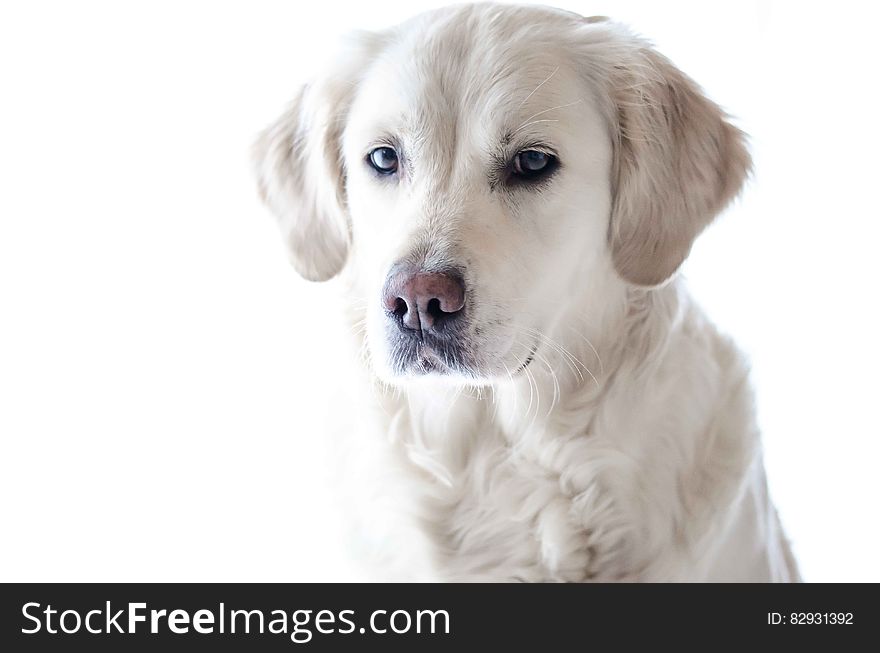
pixel 530 164
pixel 383 160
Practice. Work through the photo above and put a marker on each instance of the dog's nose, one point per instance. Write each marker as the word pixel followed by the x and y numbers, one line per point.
pixel 424 301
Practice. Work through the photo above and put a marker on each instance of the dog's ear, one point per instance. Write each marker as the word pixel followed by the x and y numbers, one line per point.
pixel 299 167
pixel 677 163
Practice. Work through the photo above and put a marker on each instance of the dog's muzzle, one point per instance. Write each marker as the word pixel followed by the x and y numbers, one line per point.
pixel 427 313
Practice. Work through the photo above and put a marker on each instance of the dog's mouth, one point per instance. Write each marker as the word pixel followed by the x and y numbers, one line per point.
pixel 432 356
pixel 528 359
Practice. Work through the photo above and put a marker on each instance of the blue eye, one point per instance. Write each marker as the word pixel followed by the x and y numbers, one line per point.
pixel 383 160
pixel 530 164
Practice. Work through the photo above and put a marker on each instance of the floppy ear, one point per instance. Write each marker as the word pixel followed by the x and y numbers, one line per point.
pixel 299 167
pixel 678 162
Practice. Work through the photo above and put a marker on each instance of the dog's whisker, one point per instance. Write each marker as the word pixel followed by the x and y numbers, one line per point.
pixel 534 381
pixel 540 113
pixel 565 352
pixel 556 390
pixel 533 122
pixel 535 90
pixel 592 347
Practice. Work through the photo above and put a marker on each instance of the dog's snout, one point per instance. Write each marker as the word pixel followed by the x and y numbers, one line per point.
pixel 424 301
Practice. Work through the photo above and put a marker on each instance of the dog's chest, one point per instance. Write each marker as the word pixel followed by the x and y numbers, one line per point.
pixel 492 510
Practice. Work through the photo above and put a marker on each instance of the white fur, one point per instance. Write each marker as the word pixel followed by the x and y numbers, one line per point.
pixel 628 449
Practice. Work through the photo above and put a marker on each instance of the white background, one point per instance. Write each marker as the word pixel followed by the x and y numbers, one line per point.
pixel 164 373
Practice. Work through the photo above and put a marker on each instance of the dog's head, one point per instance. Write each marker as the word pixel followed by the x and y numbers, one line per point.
pixel 486 170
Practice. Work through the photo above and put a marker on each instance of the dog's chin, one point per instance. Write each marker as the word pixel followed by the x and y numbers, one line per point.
pixel 426 361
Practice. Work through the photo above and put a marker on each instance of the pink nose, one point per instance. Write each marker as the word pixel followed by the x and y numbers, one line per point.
pixel 424 301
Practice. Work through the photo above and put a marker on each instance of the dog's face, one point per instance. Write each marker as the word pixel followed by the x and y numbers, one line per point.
pixel 475 203
pixel 488 171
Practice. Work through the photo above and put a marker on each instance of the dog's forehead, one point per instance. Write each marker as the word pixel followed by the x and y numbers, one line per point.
pixel 415 101
pixel 483 78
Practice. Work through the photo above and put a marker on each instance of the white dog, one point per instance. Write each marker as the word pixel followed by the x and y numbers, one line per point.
pixel 506 193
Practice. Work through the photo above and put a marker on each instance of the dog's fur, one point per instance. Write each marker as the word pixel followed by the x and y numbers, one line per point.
pixel 589 423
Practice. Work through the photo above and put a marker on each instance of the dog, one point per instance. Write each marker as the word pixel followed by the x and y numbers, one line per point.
pixel 505 195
